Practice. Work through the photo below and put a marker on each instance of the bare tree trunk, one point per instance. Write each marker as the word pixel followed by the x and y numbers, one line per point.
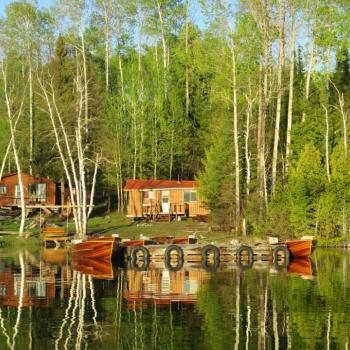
pixel 31 119
pixel 235 135
pixel 309 71
pixel 70 175
pixel 326 144
pixel 93 186
pixel 135 142
pixel 86 93
pixel 261 132
pixel 155 145
pixel 62 195
pixel 3 162
pixel 279 95
pixel 344 114
pixel 291 91
pixel 121 72
pixel 11 117
pixel 107 35
pixel 246 145
pixel 165 49
pixel 172 146
pixel 8 148
pixel 187 92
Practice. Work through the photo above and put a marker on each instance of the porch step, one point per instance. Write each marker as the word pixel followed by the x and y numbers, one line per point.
pixel 164 218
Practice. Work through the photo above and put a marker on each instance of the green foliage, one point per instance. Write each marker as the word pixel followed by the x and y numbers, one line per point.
pixel 167 111
pixel 306 184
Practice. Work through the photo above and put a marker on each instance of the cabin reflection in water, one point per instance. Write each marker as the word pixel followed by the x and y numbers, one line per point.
pixel 33 285
pixel 161 286
pixel 67 305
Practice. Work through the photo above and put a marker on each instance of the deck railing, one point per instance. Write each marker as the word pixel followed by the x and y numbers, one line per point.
pixel 153 209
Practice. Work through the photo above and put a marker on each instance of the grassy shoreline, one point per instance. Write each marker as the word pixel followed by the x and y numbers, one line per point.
pixel 117 223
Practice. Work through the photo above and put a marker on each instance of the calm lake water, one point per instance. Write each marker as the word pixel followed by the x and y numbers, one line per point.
pixel 48 303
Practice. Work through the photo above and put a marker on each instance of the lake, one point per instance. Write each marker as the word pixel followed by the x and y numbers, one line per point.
pixel 46 302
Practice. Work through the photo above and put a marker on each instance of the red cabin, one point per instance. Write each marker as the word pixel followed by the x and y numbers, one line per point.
pixel 37 190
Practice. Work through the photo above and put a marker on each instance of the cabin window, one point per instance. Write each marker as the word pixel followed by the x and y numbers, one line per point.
pixel 190 196
pixel 148 195
pixel 17 191
pixel 37 192
pixel 3 190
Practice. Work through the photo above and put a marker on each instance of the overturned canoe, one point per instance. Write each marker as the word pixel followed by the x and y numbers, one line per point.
pixel 97 268
pixel 300 266
pixel 300 248
pixel 96 248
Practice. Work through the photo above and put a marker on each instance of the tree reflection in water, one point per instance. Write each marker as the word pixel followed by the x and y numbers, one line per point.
pixel 260 308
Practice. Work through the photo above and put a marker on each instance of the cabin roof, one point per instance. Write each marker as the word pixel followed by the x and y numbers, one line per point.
pixel 35 178
pixel 8 175
pixel 139 184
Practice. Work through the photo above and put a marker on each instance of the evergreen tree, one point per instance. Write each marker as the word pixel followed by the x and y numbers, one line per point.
pixel 306 184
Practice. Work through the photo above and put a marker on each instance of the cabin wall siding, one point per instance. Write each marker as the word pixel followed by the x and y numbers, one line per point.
pixel 135 204
pixel 11 181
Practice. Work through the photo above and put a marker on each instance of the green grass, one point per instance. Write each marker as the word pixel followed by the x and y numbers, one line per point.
pixel 125 227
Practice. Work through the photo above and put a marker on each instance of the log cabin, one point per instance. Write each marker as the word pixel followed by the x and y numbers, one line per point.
pixel 37 191
pixel 156 199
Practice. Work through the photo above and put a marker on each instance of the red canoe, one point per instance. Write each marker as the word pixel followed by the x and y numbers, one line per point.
pixel 97 268
pixel 96 248
pixel 300 248
pixel 300 266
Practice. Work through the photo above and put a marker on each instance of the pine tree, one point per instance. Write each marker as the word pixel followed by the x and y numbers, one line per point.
pixel 306 184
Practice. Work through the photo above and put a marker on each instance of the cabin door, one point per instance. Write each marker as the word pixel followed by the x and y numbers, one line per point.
pixel 165 202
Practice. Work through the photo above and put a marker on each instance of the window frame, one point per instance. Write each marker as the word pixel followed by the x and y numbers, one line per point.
pixel 190 193
pixel 5 190
pixel 39 198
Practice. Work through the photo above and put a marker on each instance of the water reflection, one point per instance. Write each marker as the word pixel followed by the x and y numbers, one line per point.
pixel 48 301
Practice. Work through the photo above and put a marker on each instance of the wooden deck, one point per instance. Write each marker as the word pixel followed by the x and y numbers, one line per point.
pixel 195 253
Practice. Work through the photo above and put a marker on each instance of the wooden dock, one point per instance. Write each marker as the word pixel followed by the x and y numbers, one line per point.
pixel 209 256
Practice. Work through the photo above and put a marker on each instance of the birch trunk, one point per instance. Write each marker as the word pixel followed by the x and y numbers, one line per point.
pixel 165 49
pixel 279 96
pixel 309 71
pixel 291 91
pixel 344 114
pixel 187 92
pixel 261 135
pixel 3 162
pixel 12 124
pixel 326 143
pixel 135 141
pixel 235 135
pixel 106 23
pixel 93 186
pixel 74 164
pixel 31 119
pixel 86 94
pixel 246 145
pixel 121 72
pixel 7 151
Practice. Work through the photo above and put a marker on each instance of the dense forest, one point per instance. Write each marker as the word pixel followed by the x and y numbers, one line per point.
pixel 249 97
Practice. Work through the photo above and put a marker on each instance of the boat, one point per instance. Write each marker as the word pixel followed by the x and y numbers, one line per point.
pixel 96 268
pixel 96 248
pixel 301 267
pixel 299 248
